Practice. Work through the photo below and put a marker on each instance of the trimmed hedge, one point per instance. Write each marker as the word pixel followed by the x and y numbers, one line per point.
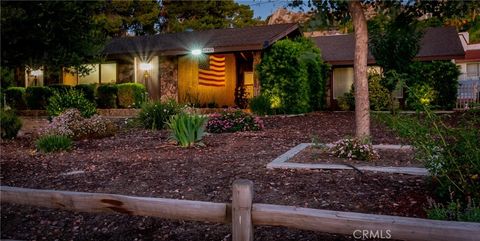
pixel 107 96
pixel 15 98
pixel 88 91
pixel 60 87
pixel 37 97
pixel 130 95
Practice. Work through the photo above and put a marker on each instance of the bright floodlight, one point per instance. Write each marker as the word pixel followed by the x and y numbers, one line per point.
pixel 146 66
pixel 196 51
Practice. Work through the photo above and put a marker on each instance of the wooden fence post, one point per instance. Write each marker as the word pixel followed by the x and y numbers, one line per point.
pixel 242 226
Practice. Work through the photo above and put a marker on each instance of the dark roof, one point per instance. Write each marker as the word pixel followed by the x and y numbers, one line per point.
pixel 440 43
pixel 223 40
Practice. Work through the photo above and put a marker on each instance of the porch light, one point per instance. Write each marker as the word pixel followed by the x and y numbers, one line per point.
pixel 196 51
pixel 146 66
pixel 36 72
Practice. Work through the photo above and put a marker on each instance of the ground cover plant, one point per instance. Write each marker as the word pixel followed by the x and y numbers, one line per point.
pixel 232 121
pixel 72 124
pixel 53 143
pixel 354 148
pixel 186 129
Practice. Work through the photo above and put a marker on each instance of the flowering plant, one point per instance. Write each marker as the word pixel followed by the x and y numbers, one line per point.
pixel 70 123
pixel 354 148
pixel 233 120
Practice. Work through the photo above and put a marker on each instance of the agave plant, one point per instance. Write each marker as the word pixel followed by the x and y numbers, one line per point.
pixel 186 129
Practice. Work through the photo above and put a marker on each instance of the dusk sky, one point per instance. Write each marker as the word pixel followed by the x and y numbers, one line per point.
pixel 264 8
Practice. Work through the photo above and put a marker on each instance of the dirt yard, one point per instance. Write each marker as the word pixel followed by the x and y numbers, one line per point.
pixel 144 163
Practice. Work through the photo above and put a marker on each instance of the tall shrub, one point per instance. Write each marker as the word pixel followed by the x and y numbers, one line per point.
pixel 289 72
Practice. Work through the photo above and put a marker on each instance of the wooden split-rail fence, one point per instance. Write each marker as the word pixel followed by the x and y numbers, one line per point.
pixel 242 214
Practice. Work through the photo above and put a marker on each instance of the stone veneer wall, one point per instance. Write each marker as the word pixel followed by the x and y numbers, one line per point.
pixel 168 75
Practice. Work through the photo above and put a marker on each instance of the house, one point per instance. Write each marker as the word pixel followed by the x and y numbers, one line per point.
pixel 194 66
pixel 469 81
pixel 441 43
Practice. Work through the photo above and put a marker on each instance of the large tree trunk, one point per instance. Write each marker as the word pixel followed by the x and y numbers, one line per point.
pixel 362 105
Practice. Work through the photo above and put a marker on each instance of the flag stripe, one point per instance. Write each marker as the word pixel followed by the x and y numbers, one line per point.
pixel 214 85
pixel 209 74
pixel 213 73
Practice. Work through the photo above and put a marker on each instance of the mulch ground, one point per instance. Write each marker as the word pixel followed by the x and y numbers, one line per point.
pixel 392 158
pixel 144 163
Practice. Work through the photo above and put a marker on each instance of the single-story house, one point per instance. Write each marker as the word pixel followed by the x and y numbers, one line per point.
pixel 195 66
pixel 441 43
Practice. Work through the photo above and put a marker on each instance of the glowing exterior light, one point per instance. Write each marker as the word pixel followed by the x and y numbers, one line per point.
pixel 36 72
pixel 196 52
pixel 145 66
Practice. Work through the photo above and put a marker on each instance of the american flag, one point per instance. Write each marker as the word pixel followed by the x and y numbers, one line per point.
pixel 211 71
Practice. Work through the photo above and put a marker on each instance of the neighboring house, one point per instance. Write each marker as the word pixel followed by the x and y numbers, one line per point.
pixel 469 81
pixel 440 43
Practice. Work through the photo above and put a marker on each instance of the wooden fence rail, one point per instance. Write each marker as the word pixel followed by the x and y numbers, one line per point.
pixel 243 214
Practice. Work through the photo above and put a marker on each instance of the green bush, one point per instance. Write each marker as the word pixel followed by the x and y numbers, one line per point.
pixel 233 121
pixel 107 96
pixel 379 96
pixel 10 124
pixel 70 99
pixel 37 97
pixel 186 129
pixel 346 101
pixel 290 76
pixel 131 95
pixel 15 97
pixel 420 95
pixel 88 91
pixel 155 114
pixel 52 143
pixel 442 76
pixel 261 105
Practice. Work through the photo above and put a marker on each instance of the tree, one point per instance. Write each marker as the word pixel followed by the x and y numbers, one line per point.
pixel 120 18
pixel 49 34
pixel 338 10
pixel 179 16
pixel 362 103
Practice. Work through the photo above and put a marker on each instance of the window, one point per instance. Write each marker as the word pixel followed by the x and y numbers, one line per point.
pixel 473 70
pixel 342 81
